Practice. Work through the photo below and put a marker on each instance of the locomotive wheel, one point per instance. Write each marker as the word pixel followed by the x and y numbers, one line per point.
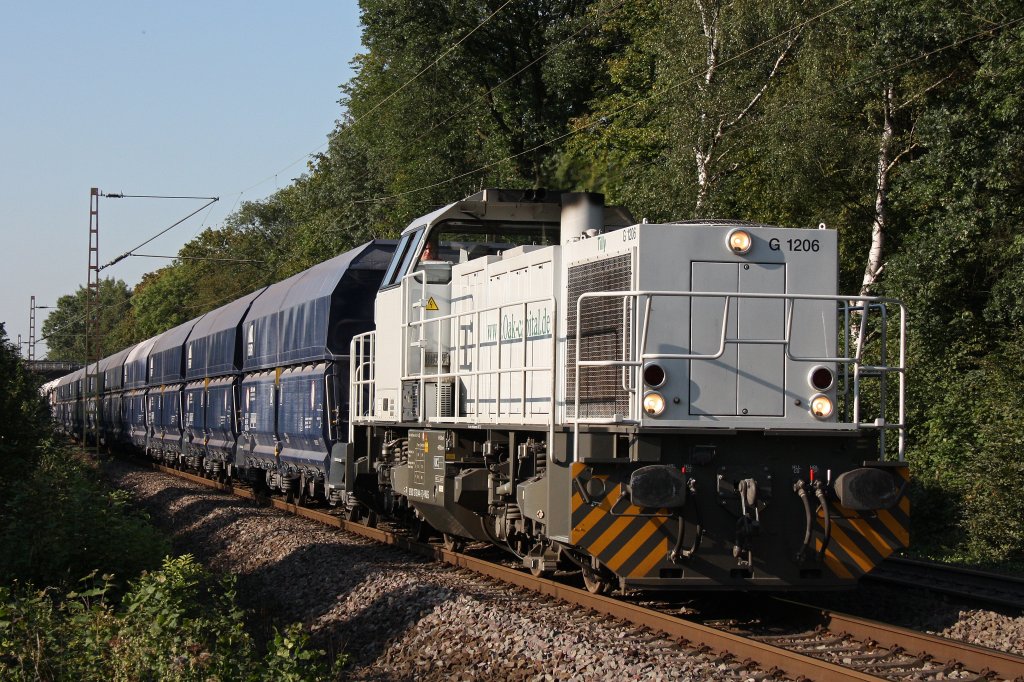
pixel 453 543
pixel 596 581
pixel 537 569
pixel 370 519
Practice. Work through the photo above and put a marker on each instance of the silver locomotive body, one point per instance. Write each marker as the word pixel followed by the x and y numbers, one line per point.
pixel 665 405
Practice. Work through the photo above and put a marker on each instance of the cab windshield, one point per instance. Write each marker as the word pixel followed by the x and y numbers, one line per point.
pixel 459 241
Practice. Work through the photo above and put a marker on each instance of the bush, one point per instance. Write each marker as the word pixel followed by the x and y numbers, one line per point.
pixel 968 459
pixel 179 623
pixel 66 523
pixel 23 413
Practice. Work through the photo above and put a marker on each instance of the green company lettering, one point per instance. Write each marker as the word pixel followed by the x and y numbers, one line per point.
pixel 538 323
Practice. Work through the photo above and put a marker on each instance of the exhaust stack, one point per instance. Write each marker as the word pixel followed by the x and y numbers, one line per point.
pixel 582 215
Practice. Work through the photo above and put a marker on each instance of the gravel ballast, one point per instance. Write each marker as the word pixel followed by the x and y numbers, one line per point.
pixel 396 615
pixel 400 617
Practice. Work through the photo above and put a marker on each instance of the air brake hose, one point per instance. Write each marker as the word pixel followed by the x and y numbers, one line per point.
pixel 678 552
pixel 819 492
pixel 798 488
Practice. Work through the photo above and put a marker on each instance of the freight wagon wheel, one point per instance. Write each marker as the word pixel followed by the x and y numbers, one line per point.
pixel 596 580
pixel 421 530
pixel 453 543
pixel 360 514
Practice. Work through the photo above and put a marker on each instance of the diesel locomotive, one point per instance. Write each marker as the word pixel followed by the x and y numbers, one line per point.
pixel 682 405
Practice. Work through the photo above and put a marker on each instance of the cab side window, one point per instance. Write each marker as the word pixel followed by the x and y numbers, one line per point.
pixel 407 248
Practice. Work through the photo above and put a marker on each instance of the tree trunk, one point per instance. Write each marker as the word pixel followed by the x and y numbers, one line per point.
pixel 878 224
pixel 712 127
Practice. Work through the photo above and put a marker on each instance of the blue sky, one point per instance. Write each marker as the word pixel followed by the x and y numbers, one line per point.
pixel 142 97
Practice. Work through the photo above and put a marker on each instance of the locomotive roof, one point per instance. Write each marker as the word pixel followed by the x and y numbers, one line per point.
pixel 512 205
pixel 720 222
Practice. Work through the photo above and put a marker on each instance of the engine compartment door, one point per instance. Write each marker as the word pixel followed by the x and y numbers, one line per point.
pixel 748 378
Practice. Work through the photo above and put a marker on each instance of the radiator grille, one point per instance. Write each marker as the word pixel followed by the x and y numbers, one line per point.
pixel 604 335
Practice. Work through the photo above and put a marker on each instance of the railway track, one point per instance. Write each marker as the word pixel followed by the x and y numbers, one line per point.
pixel 966 583
pixel 824 645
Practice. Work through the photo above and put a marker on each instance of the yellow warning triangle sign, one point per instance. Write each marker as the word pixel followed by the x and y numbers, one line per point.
pixel 432 304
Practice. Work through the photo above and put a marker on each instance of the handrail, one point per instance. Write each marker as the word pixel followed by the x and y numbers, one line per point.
pixel 859 304
pixel 361 369
pixel 362 350
pixel 456 347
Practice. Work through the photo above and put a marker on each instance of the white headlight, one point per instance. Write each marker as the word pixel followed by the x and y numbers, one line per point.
pixel 821 406
pixel 739 241
pixel 654 403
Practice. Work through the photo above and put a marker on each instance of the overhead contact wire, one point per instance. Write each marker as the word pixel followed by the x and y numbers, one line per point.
pixel 618 111
pixel 131 252
pixel 570 133
pixel 387 98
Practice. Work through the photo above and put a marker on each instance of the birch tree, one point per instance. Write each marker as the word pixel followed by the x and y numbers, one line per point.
pixel 688 86
pixel 715 121
pixel 909 62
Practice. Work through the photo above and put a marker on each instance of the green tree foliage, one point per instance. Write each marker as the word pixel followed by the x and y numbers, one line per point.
pixel 686 88
pixel 493 99
pixel 959 266
pixel 59 522
pixel 23 413
pixel 64 327
pixel 896 122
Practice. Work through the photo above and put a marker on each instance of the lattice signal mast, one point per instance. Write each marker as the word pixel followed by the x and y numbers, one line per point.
pixel 32 327
pixel 90 426
pixel 32 331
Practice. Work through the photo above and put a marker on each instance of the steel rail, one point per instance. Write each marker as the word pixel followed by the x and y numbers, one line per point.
pixel 976 658
pixel 774 659
pixel 957 581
